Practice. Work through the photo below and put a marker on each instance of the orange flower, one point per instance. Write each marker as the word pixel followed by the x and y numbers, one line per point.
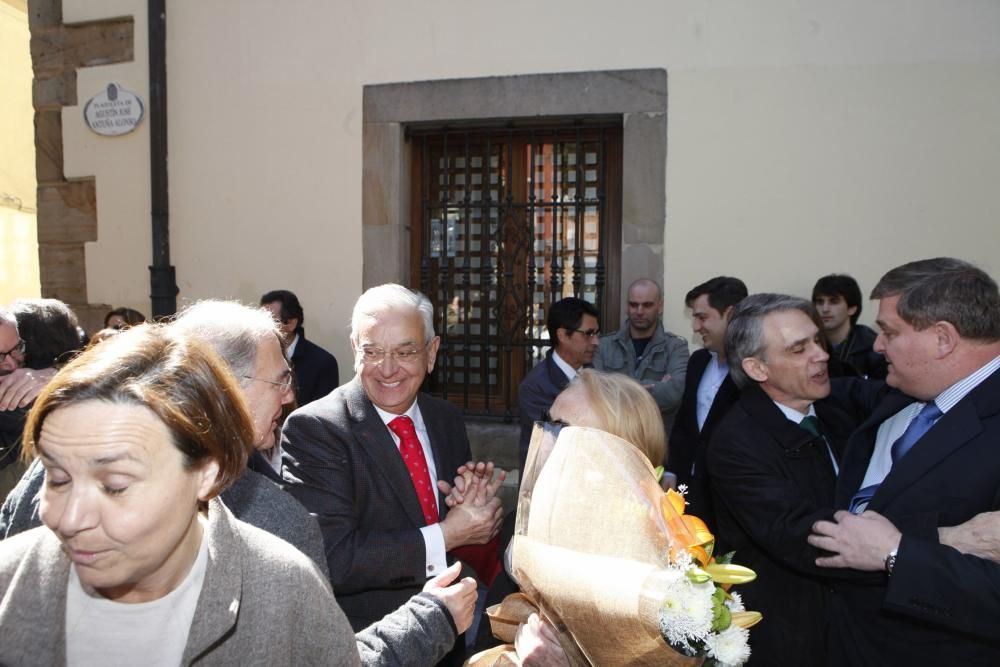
pixel 698 529
pixel 676 501
pixel 686 531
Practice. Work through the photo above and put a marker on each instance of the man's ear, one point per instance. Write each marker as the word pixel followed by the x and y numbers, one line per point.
pixel 946 338
pixel 432 351
pixel 726 313
pixel 561 336
pixel 755 368
pixel 851 311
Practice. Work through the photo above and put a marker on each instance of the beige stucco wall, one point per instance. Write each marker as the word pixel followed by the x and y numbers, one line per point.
pixel 812 171
pixel 803 137
pixel 117 264
pixel 18 238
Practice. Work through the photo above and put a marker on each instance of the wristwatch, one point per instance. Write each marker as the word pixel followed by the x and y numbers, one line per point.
pixel 890 562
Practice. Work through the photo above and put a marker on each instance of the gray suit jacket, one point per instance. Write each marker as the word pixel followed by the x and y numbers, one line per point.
pixel 341 463
pixel 666 354
pixel 418 633
pixel 259 598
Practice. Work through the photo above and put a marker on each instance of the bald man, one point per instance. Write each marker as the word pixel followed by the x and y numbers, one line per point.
pixel 644 350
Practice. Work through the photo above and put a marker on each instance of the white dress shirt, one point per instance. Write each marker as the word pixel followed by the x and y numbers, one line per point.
pixel 567 370
pixel 290 350
pixel 435 554
pixel 713 377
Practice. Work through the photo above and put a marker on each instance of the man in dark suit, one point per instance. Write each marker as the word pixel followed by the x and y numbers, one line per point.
pixel 927 457
pixel 772 466
pixel 364 461
pixel 709 392
pixel 316 371
pixel 574 330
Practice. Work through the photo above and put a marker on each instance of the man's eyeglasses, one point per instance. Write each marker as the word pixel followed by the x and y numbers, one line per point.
pixel 283 385
pixel 374 356
pixel 17 351
pixel 589 333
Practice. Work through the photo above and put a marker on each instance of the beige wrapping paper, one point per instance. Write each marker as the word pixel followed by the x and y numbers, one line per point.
pixel 591 546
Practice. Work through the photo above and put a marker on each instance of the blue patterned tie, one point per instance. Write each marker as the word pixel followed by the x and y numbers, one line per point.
pixel 915 430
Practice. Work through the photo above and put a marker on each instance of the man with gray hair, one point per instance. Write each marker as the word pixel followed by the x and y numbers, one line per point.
pixel 926 458
pixel 250 342
pixel 365 458
pixel 772 463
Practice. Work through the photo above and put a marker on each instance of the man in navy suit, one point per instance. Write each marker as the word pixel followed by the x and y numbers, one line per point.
pixel 574 331
pixel 316 371
pixel 926 458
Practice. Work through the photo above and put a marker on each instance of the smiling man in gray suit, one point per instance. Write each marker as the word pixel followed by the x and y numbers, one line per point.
pixel 365 458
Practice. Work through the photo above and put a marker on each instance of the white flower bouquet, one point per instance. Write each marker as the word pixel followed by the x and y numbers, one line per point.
pixel 614 563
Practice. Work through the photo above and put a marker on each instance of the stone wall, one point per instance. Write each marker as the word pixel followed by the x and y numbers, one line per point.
pixel 67 209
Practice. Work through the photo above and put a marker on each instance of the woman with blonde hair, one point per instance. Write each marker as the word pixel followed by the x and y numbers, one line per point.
pixel 613 403
pixel 616 404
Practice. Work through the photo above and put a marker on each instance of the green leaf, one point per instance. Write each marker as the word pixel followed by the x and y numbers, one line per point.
pixel 721 619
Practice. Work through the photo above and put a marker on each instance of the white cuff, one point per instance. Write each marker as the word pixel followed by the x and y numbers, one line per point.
pixel 434 548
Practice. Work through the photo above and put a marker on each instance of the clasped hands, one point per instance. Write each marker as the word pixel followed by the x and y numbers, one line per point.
pixel 475 513
pixel 474 518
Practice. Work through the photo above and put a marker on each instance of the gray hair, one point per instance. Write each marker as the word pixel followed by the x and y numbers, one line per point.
pixel 745 333
pixel 948 290
pixel 7 317
pixel 233 330
pixel 392 297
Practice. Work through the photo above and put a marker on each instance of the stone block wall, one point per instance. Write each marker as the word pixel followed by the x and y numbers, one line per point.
pixel 67 209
